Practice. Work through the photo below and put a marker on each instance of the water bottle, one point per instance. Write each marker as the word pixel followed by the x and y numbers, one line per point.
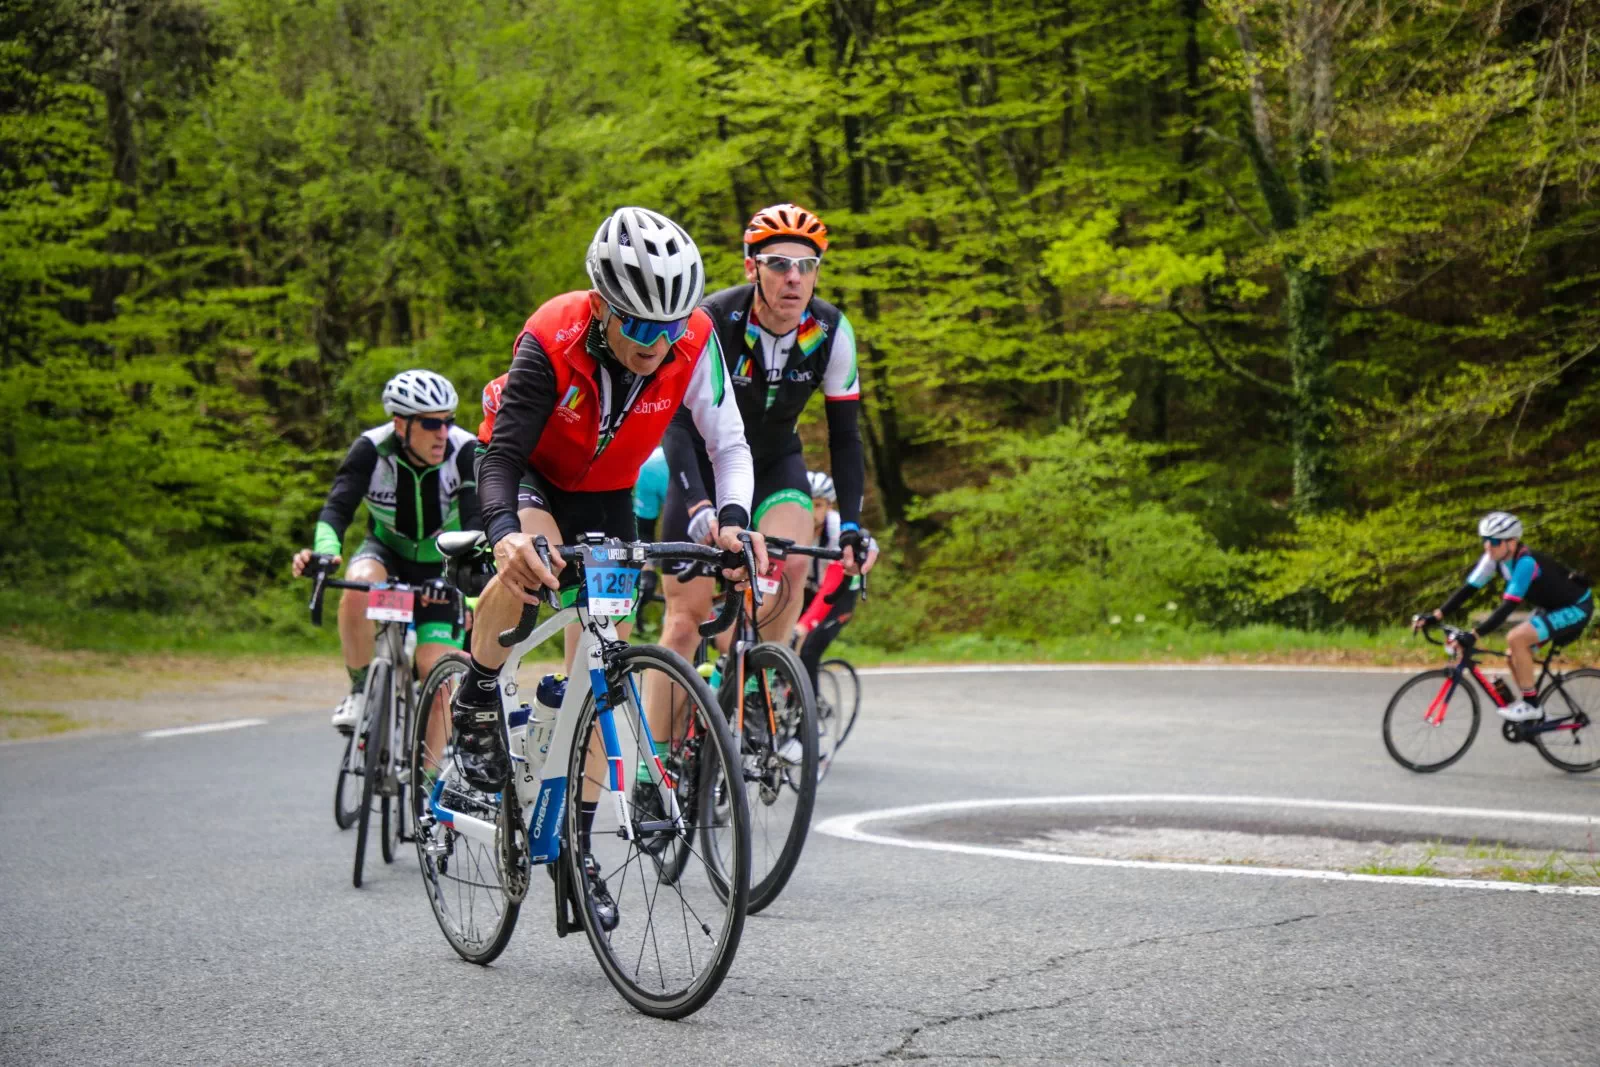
pixel 542 724
pixel 1503 689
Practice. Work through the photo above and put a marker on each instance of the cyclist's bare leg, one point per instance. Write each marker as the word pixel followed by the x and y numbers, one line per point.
pixel 1520 644
pixel 777 618
pixel 356 636
pixel 435 735
pixel 688 605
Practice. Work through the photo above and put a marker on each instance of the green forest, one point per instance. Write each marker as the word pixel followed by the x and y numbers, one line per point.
pixel 1217 313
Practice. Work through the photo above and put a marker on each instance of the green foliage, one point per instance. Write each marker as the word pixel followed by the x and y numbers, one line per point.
pixel 1134 284
pixel 1069 533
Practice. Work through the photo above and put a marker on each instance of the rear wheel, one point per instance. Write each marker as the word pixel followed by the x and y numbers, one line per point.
pixel 1431 720
pixel 676 929
pixel 462 873
pixel 1573 707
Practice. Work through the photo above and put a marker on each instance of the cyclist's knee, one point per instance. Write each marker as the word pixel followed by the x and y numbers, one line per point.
pixel 366 569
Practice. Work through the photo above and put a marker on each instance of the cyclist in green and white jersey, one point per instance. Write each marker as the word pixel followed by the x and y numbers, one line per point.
pixel 416 475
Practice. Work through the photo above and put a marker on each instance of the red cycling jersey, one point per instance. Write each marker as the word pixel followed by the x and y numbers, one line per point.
pixel 565 453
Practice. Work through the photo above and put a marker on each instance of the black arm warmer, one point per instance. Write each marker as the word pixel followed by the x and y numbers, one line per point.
pixel 467 495
pixel 684 447
pixel 1496 617
pixel 1458 598
pixel 846 457
pixel 525 405
pixel 349 485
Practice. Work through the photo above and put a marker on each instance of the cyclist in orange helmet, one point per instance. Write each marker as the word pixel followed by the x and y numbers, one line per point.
pixel 782 344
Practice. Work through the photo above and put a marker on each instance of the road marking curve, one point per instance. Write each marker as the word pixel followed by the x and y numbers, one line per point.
pixel 850 828
pixel 203 728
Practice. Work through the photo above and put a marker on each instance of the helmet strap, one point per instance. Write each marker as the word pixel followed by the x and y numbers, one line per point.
pixel 406 451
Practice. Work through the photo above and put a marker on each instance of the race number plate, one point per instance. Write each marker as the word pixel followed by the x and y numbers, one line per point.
pixel 767 585
pixel 611 588
pixel 390 605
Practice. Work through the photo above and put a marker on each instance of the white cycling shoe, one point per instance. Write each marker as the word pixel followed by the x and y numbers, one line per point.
pixel 1521 711
pixel 348 713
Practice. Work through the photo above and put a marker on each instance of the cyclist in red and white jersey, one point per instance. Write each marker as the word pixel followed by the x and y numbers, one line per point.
pixel 595 378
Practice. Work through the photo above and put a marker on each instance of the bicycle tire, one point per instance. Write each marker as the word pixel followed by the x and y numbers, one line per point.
pixel 640 976
pixel 441 877
pixel 1410 725
pixel 349 781
pixel 1559 746
pixel 854 694
pixel 777 829
pixel 373 731
pixel 393 797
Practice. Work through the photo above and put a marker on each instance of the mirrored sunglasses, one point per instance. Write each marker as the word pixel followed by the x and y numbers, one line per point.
pixel 435 425
pixel 1495 542
pixel 645 332
pixel 783 264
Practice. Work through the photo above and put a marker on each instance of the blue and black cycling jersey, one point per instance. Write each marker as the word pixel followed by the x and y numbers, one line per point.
pixel 1531 578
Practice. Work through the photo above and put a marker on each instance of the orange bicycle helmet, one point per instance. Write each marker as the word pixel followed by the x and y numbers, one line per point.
pixel 781 221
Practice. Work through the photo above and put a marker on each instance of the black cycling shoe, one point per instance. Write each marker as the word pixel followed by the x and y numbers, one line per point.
pixel 605 909
pixel 480 746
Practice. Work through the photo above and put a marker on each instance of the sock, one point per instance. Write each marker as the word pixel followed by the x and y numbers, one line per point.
pixel 358 677
pixel 1531 696
pixel 586 812
pixel 481 687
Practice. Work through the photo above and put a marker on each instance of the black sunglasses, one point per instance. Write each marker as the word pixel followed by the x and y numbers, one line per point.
pixel 433 425
pixel 1496 542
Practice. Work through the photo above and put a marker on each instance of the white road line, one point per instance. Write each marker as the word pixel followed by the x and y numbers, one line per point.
pixel 1026 668
pixel 849 827
pixel 204 728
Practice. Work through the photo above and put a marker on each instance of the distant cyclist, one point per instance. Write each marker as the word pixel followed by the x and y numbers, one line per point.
pixel 830 592
pixel 649 493
pixel 783 345
pixel 415 473
pixel 1562 598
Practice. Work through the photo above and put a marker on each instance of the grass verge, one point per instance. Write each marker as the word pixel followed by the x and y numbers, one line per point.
pixel 1162 643
pixel 18 724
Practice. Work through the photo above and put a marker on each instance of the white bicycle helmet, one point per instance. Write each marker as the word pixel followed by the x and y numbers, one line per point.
pixel 645 265
pixel 1501 524
pixel 821 487
pixel 416 392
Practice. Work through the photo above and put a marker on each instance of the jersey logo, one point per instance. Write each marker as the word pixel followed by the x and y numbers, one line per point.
pixel 567 333
pixel 741 372
pixel 800 376
pixel 651 407
pixel 573 398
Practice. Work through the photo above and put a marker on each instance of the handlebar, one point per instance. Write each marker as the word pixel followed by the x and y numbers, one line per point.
pixel 1429 623
pixel 320 568
pixel 663 550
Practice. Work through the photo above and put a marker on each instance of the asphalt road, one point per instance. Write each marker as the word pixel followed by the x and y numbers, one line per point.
pixel 187 900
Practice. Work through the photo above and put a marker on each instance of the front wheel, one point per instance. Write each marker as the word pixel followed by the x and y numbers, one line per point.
pixel 1571 704
pixel 672 935
pixel 1431 720
pixel 838 704
pixel 373 737
pixel 779 752
pixel 347 789
pixel 461 871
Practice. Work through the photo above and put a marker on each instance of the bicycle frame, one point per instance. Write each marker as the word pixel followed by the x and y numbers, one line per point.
pixel 543 796
pixel 1467 665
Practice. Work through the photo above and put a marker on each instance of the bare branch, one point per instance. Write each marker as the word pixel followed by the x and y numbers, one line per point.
pixel 1227 361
